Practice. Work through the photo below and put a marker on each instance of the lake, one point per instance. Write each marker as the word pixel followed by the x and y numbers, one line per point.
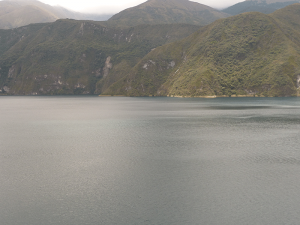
pixel 136 161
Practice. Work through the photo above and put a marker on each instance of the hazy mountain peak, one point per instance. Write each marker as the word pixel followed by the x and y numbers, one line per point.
pixel 167 12
pixel 176 3
pixel 16 13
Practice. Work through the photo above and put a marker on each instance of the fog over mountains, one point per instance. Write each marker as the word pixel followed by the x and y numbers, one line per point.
pixel 17 13
pixel 158 48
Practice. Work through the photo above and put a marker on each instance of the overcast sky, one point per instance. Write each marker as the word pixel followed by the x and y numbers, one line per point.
pixel 113 6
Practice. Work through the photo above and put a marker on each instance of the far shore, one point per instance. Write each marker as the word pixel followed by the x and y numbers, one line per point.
pixel 209 97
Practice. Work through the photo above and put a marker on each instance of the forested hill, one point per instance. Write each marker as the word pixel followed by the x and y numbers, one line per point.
pixel 76 57
pixel 251 54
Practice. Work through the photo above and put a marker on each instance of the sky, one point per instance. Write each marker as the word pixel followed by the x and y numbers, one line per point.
pixel 114 6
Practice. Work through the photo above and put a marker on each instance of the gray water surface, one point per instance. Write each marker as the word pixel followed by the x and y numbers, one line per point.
pixel 136 161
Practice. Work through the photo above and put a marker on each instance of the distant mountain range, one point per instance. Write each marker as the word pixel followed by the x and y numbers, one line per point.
pixel 159 49
pixel 263 6
pixel 17 13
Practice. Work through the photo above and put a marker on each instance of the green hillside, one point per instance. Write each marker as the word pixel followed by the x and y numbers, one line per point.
pixel 76 57
pixel 263 6
pixel 166 12
pixel 251 54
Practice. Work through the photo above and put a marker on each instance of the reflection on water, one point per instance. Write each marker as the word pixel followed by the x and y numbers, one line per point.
pixel 90 160
pixel 242 107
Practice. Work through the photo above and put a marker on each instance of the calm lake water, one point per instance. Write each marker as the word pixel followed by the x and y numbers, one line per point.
pixel 152 161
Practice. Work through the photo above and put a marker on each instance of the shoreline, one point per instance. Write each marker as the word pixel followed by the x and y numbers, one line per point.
pixel 208 97
pixel 222 96
pixel 168 96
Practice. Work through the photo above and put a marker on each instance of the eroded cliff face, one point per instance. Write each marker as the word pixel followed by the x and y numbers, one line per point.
pixel 298 85
pixel 107 67
pixel 11 72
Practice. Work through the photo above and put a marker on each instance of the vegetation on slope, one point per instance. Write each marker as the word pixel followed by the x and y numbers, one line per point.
pixel 76 57
pixel 263 6
pixel 249 54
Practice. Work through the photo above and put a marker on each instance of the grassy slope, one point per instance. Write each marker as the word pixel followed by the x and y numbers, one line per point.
pixel 68 56
pixel 249 54
pixel 166 12
pixel 266 7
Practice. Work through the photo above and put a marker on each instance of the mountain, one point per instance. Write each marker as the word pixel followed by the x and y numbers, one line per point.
pixel 263 6
pixel 76 57
pixel 166 12
pixel 17 13
pixel 251 54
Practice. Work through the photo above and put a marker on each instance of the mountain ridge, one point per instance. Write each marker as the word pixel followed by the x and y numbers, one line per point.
pixel 263 6
pixel 166 12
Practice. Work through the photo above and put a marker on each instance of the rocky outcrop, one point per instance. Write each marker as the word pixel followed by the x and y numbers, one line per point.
pixel 11 71
pixel 81 29
pixel 98 73
pixel 107 67
pixel 148 64
pixel 171 64
pixel 6 89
